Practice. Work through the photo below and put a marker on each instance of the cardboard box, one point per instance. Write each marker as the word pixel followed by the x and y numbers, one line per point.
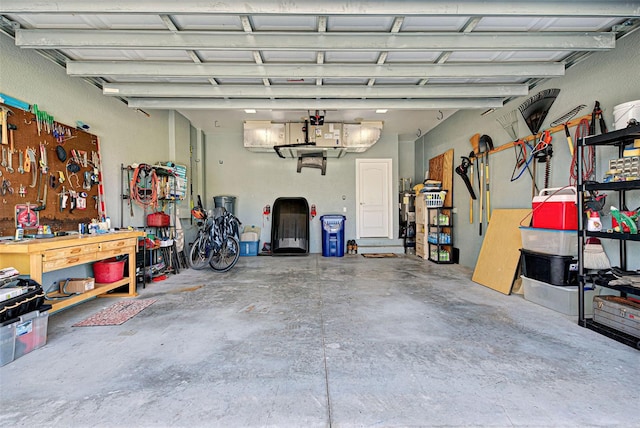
pixel 77 285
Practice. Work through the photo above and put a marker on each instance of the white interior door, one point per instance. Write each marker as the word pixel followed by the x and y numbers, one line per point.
pixel 373 198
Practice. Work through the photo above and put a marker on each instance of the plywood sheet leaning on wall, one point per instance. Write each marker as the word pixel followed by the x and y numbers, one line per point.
pixel 500 253
pixel 50 174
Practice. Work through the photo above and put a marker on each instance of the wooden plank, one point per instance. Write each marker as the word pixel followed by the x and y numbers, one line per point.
pixel 441 168
pixel 447 176
pixel 500 253
pixel 532 137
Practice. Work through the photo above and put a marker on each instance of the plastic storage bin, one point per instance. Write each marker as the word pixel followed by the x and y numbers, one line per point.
pixel 563 299
pixel 550 241
pixel 7 343
pixel 552 269
pixel 26 334
pixel 332 235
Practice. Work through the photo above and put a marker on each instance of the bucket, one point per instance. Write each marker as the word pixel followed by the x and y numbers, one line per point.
pixel 623 113
pixel 226 202
pixel 109 270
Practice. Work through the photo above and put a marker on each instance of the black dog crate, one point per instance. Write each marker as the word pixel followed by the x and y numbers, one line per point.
pixel 290 227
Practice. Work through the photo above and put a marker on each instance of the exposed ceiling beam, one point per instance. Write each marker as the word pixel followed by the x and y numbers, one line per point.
pixel 311 91
pixel 301 71
pixel 597 8
pixel 326 41
pixel 299 104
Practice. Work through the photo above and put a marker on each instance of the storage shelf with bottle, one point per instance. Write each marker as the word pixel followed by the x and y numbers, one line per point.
pixel 407 220
pixel 615 317
pixel 440 235
pixel 152 193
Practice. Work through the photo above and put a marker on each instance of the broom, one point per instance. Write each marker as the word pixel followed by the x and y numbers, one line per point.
pixel 594 255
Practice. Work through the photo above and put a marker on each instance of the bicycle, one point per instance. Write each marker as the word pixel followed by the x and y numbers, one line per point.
pixel 217 243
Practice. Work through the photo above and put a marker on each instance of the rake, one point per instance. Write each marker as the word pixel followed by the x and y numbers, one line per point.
pixel 535 109
pixel 509 123
pixel 564 119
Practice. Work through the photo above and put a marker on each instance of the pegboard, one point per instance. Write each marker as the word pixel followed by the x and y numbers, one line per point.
pixel 71 184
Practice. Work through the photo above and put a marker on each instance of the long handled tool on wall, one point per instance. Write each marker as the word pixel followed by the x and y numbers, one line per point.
pixel 534 111
pixel 472 160
pixel 486 145
pixel 564 121
pixel 461 170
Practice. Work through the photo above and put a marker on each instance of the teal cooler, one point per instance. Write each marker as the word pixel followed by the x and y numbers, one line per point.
pixel 332 235
pixel 249 243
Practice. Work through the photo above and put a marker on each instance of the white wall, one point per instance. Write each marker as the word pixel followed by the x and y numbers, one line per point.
pixel 257 179
pixel 610 77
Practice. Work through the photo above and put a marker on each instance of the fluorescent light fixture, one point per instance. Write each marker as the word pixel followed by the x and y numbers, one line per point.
pixel 250 110
pixel 381 110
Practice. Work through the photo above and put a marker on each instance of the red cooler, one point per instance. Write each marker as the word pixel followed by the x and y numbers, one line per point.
pixel 556 208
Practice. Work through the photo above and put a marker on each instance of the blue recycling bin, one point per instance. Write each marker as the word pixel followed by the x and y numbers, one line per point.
pixel 333 235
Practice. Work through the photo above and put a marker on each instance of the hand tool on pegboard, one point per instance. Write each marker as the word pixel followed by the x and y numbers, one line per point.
pixel 4 114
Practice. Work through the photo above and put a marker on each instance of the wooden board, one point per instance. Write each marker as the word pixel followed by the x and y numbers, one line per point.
pixel 500 253
pixel 441 168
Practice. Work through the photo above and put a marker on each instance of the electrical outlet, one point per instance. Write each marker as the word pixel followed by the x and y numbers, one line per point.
pixel 344 209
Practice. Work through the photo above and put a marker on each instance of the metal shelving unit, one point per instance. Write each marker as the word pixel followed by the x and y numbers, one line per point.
pixel 620 139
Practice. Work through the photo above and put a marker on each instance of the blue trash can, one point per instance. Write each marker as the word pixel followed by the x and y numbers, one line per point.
pixel 333 235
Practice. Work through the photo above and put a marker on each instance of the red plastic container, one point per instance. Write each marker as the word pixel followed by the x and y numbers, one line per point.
pixel 556 209
pixel 107 271
pixel 158 219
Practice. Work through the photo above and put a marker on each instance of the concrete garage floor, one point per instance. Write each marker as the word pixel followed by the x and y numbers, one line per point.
pixel 318 342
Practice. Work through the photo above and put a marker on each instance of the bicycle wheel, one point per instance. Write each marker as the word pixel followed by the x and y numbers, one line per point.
pixel 228 255
pixel 200 253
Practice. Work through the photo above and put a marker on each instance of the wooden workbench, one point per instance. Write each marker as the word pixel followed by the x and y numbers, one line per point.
pixel 35 257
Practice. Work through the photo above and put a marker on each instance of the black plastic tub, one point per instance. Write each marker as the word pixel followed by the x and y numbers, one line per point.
pixel 549 268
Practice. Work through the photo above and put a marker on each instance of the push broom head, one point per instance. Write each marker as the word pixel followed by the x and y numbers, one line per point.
pixel 594 255
pixel 535 109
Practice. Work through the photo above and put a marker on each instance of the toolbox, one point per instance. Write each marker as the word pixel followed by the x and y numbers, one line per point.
pixel 618 313
pixel 556 209
pixel 30 299
pixel 158 219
